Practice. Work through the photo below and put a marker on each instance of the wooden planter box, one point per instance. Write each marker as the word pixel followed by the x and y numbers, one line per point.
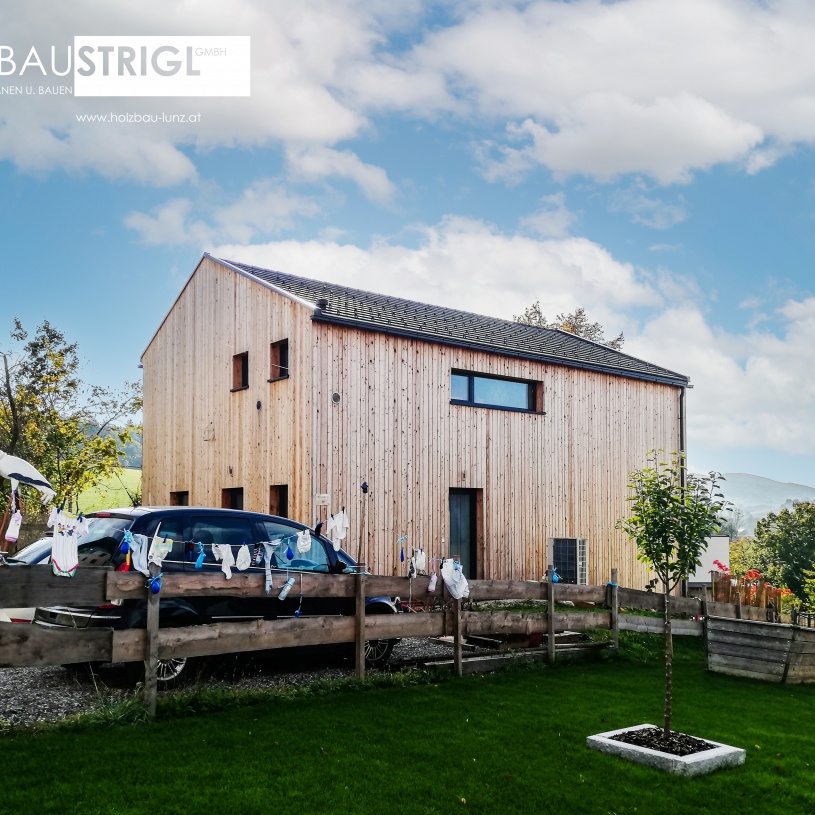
pixel 774 652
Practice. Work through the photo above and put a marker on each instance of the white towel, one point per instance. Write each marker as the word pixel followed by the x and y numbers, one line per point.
pixel 244 559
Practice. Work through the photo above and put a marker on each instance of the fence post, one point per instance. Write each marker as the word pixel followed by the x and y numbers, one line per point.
pixel 738 605
pixel 614 602
pixel 151 662
pixel 457 649
pixel 704 631
pixel 550 615
pixel 359 629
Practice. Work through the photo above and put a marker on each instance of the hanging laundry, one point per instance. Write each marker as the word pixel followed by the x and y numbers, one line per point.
pixel 431 586
pixel 13 531
pixel 223 552
pixel 54 517
pixel 199 561
pixel 289 552
pixel 139 545
pixel 269 548
pixel 64 559
pixel 338 526
pixel 421 560
pixel 159 549
pixel 244 559
pixel 454 579
pixel 304 541
pixel 284 592
pixel 412 567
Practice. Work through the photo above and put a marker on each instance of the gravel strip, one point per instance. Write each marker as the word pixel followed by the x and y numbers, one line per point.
pixel 31 695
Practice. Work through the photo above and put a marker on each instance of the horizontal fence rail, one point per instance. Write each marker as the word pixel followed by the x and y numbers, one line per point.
pixel 34 645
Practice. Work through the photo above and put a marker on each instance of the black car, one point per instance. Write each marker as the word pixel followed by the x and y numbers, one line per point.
pixel 188 527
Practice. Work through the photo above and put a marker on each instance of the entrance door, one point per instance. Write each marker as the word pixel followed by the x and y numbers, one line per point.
pixel 463 530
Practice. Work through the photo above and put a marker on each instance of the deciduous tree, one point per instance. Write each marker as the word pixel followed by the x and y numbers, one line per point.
pixel 70 431
pixel 576 323
pixel 672 515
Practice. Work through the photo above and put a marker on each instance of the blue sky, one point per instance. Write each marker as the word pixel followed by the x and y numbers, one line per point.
pixel 649 160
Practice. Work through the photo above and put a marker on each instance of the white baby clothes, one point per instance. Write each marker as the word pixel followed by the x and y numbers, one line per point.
pixel 223 552
pixel 431 586
pixel 13 531
pixel 159 549
pixel 338 527
pixel 304 541
pixel 454 580
pixel 64 559
pixel 420 559
pixel 138 554
pixel 82 525
pixel 244 559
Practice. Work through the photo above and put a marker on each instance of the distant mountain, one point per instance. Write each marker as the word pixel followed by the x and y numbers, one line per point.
pixel 756 496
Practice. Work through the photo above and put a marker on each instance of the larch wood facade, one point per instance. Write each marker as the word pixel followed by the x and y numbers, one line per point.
pixel 562 473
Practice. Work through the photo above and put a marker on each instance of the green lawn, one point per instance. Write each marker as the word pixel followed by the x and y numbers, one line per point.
pixel 112 492
pixel 506 743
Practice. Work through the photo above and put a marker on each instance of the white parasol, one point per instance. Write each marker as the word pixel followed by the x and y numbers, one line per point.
pixel 19 471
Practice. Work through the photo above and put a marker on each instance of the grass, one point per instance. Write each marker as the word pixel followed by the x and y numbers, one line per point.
pixel 512 743
pixel 111 492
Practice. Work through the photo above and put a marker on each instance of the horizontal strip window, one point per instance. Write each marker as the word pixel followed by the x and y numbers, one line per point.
pixel 495 392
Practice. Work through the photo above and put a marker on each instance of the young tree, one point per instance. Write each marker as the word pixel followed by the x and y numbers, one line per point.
pixel 672 514
pixel 576 323
pixel 71 432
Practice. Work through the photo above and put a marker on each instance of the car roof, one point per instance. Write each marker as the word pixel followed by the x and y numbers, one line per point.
pixel 138 512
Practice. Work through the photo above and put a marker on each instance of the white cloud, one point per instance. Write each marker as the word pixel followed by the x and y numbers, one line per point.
pixel 317 163
pixel 553 219
pixel 753 390
pixel 470 265
pixel 262 209
pixel 643 86
pixel 652 87
pixel 646 210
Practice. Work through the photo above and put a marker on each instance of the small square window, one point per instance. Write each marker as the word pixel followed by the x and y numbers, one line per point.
pixel 279 360
pixel 181 498
pixel 240 371
pixel 232 498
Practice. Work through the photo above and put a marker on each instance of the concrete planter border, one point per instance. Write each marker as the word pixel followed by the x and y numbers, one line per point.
pixel 722 755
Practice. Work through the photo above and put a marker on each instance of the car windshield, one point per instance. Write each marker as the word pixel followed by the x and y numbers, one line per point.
pixel 34 552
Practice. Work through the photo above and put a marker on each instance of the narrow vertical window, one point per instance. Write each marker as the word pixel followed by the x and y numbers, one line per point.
pixel 240 371
pixel 279 360
pixel 279 500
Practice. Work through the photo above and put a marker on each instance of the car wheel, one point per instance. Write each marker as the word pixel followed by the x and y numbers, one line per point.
pixel 170 673
pixel 378 652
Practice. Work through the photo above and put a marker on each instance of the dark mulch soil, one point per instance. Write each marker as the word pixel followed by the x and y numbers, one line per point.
pixel 677 744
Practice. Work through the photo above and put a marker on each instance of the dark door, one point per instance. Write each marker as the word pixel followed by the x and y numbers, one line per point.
pixel 463 533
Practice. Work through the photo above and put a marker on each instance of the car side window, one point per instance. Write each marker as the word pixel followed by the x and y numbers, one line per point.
pixel 172 528
pixel 217 530
pixel 313 560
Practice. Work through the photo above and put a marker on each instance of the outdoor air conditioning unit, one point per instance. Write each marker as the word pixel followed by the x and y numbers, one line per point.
pixel 569 556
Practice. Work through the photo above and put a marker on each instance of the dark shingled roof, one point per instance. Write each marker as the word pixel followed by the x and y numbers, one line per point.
pixel 393 315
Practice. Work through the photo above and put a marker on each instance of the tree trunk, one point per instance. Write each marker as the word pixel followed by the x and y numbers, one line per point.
pixel 15 421
pixel 669 652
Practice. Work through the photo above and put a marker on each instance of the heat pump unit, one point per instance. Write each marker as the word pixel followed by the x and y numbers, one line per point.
pixel 569 556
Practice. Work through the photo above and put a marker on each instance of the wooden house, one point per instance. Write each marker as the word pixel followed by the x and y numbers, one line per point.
pixel 506 445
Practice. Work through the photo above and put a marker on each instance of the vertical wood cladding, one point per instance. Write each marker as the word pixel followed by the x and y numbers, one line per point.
pixel 195 429
pixel 562 474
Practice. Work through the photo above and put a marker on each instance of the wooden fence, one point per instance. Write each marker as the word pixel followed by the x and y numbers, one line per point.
pixel 761 650
pixel 33 645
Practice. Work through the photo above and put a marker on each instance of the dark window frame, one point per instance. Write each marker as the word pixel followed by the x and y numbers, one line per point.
pixel 240 372
pixel 279 360
pixel 534 392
